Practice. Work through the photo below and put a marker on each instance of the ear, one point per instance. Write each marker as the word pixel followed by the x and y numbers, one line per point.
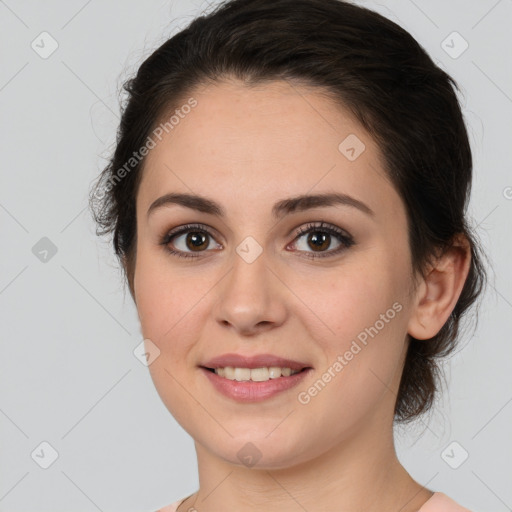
pixel 438 292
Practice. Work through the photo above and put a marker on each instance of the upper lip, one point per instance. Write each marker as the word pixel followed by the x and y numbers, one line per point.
pixel 256 361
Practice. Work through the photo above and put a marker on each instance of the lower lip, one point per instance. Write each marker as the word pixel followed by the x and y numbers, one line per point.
pixel 250 391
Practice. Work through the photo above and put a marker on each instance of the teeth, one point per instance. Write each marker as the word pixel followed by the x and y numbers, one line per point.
pixel 274 372
pixel 255 374
pixel 242 374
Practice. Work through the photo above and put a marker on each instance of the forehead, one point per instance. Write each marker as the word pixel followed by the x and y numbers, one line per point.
pixel 243 143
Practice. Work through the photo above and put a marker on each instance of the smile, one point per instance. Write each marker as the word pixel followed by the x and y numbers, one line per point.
pixel 254 374
pixel 242 385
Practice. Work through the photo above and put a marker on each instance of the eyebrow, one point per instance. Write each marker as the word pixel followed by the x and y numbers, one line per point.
pixel 281 208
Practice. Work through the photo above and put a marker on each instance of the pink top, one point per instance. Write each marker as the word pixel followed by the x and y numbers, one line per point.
pixel 439 502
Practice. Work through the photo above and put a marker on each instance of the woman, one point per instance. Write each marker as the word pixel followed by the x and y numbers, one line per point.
pixel 287 198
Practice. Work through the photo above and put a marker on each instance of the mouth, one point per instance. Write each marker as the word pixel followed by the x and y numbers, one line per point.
pixel 262 374
pixel 255 378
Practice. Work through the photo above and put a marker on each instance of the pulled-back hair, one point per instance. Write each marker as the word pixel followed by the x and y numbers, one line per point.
pixel 367 64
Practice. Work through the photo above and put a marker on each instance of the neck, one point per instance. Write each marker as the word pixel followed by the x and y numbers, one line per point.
pixel 360 473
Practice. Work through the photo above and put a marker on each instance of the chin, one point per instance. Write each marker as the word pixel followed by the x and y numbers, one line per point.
pixel 261 452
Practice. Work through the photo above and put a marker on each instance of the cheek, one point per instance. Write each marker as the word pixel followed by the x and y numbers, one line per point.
pixel 167 301
pixel 365 309
pixel 171 314
pixel 358 316
pixel 345 301
pixel 362 351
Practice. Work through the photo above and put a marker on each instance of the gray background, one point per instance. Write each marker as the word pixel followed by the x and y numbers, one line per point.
pixel 68 373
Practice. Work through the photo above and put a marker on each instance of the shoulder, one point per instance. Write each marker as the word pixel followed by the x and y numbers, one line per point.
pixel 172 507
pixel 440 502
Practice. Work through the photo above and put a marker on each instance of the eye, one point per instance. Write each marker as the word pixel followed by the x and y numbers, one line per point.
pixel 194 238
pixel 188 240
pixel 320 239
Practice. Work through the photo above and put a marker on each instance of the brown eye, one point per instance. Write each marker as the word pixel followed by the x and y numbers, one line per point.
pixel 324 240
pixel 196 241
pixel 319 241
pixel 187 240
pixel 191 241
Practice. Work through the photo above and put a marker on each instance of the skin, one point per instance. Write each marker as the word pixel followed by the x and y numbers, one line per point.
pixel 248 148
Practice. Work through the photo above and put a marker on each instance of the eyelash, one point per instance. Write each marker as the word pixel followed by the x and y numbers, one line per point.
pixel 346 240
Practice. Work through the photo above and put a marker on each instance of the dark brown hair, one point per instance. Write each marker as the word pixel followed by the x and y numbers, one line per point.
pixel 364 62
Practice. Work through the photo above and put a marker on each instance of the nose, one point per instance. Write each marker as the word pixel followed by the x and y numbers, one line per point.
pixel 251 298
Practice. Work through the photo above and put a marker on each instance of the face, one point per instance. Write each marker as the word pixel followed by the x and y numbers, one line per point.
pixel 250 274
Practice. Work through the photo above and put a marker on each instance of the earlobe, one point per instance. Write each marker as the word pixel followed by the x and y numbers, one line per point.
pixel 439 291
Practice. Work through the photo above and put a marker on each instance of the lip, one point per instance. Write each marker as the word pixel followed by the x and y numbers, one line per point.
pixel 249 391
pixel 256 361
